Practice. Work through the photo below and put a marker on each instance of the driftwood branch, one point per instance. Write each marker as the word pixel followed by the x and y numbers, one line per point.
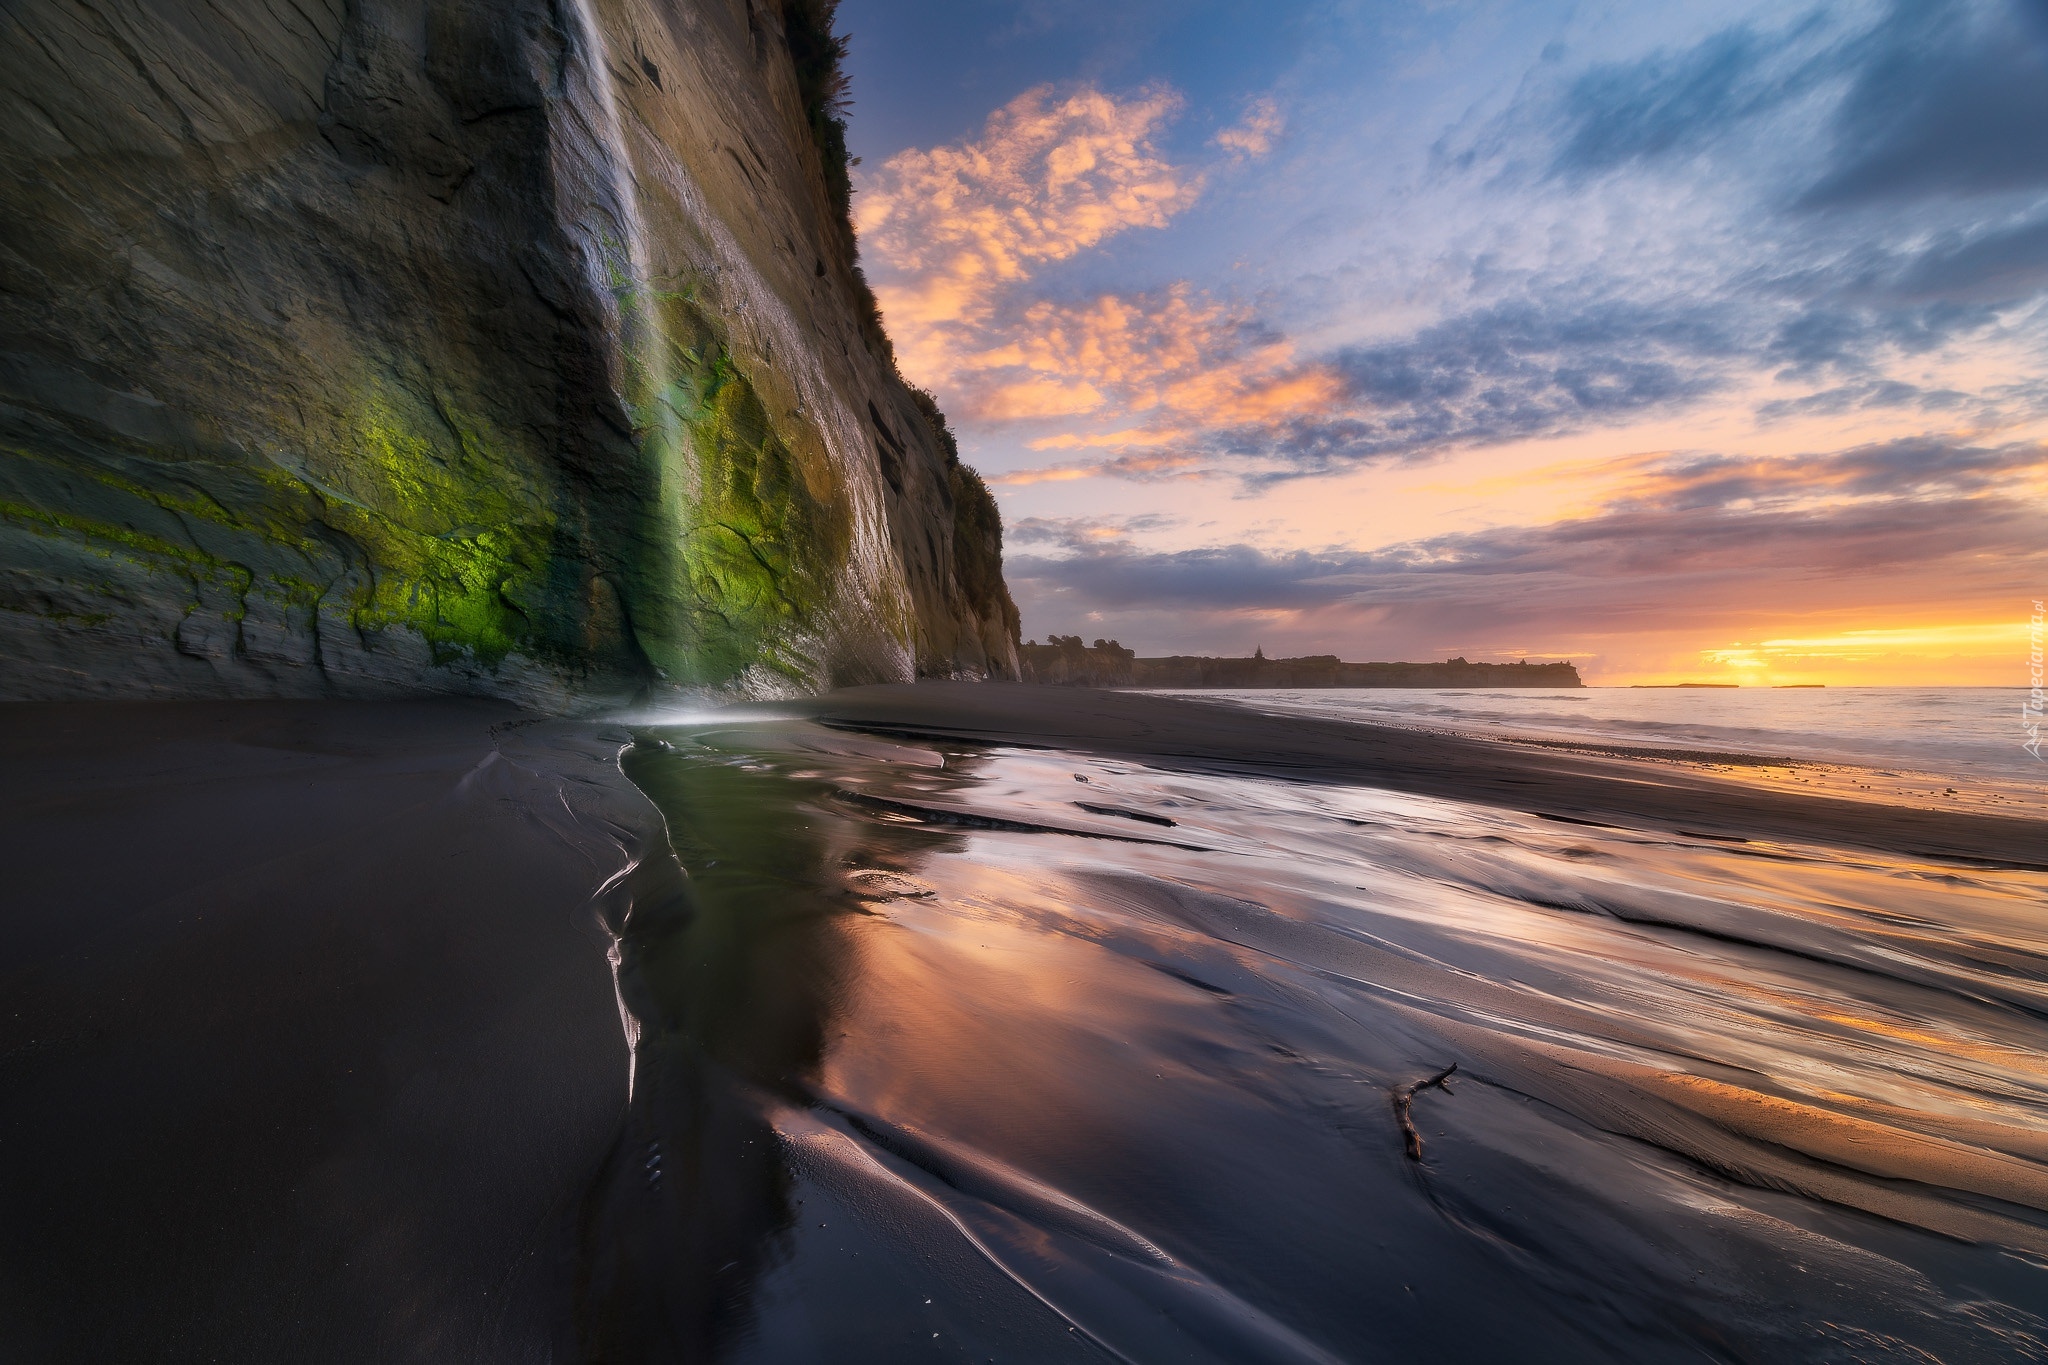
pixel 1404 1099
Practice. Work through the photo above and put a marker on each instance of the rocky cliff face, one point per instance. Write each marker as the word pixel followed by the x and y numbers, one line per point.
pixel 506 346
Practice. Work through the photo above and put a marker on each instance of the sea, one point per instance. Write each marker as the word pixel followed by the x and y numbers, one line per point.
pixel 957 1052
pixel 1893 742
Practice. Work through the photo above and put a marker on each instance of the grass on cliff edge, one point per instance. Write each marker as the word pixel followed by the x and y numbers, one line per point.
pixel 819 56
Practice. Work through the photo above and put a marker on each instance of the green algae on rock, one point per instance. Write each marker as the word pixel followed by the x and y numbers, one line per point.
pixel 442 345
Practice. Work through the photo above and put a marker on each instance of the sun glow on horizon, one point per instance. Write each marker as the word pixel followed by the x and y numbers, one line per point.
pixel 1437 376
pixel 1977 654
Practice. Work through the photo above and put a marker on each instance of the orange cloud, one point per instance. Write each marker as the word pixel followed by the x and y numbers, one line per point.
pixel 1023 478
pixel 1120 439
pixel 1152 467
pixel 955 235
pixel 1143 468
pixel 1253 136
pixel 1188 360
pixel 1269 386
pixel 1128 344
pixel 1048 178
pixel 1039 398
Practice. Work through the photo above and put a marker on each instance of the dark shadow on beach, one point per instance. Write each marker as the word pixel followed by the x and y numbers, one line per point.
pixel 736 977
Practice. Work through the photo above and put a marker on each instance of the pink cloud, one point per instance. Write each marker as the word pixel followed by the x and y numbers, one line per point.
pixel 1252 136
pixel 950 228
pixel 957 234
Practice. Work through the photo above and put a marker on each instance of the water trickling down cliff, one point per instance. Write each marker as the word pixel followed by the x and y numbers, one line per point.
pixel 515 348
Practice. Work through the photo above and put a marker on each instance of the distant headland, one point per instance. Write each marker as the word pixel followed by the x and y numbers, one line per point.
pixel 1063 660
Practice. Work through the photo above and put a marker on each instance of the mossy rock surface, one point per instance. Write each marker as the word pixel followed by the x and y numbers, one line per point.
pixel 412 347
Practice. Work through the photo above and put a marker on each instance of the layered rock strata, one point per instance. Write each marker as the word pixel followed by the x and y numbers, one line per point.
pixel 502 346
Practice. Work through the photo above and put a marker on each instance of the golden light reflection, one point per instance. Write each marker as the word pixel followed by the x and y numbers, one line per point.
pixel 1871 644
pixel 998 999
pixel 1983 653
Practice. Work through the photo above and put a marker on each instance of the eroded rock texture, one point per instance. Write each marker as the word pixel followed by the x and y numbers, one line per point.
pixel 473 345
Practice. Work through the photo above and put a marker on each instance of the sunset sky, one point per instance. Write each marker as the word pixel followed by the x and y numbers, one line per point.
pixel 1684 341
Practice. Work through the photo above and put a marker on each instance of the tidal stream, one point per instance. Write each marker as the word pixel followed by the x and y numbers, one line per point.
pixel 961 1053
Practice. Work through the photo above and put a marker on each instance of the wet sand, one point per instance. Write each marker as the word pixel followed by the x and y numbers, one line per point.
pixel 1195 736
pixel 310 1045
pixel 1051 1025
pixel 311 1048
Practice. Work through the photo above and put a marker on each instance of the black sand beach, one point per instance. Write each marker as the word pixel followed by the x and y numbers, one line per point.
pixel 310 1043
pixel 1203 737
pixel 311 1047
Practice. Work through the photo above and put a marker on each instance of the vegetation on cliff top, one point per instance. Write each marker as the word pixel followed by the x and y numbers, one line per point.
pixel 819 56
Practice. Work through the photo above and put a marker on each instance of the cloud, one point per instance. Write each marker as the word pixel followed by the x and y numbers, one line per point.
pixel 1252 136
pixel 1916 109
pixel 1131 344
pixel 1050 176
pixel 2001 265
pixel 1931 98
pixel 1086 533
pixel 1857 325
pixel 1713 542
pixel 2010 637
pixel 1514 370
pixel 1177 360
pixel 1913 469
pixel 1024 478
pixel 1949 97
pixel 1138 468
pixel 1523 364
pixel 1651 241
pixel 1038 397
pixel 1154 468
pixel 958 234
pixel 1672 104
pixel 1223 389
pixel 1122 438
pixel 1865 396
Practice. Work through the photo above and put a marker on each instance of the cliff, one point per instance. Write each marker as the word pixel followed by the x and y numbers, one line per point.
pixel 1066 661
pixel 501 346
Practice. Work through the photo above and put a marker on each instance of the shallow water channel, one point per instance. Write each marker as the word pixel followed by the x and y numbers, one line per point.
pixel 971 1054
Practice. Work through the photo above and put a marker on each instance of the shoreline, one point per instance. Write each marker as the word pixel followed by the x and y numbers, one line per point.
pixel 1200 735
pixel 315 1048
pixel 1762 750
pixel 1196 991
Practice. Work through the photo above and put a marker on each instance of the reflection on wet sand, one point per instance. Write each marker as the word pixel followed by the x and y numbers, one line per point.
pixel 946 1055
pixel 735 978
